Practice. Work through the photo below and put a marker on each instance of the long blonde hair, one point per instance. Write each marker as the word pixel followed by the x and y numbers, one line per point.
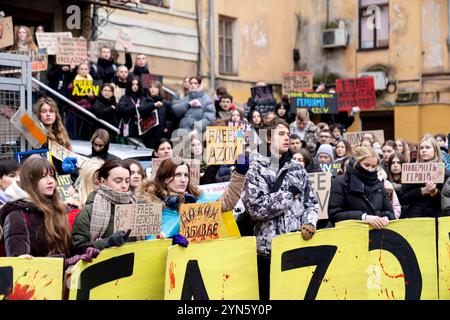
pixel 87 179
pixel 29 42
pixel 437 151
pixel 57 132
pixel 55 216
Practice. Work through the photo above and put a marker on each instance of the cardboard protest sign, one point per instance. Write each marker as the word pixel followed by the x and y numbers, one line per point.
pixel 133 271
pixel 148 78
pixel 39 61
pixel 50 40
pixel 420 172
pixel 213 270
pixel 318 103
pixel 29 127
pixel 123 39
pixel 6 32
pixel 72 51
pixel 330 266
pixel 143 219
pixel 403 261
pixel 65 187
pixel 245 127
pixel 22 156
pixel 321 183
pixel 358 92
pixel 299 81
pixel 83 88
pixel 223 145
pixel 60 153
pixel 355 138
pixel 31 279
pixel 194 168
pixel 200 221
pixel 146 123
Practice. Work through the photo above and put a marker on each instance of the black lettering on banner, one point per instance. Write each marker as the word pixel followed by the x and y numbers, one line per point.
pixel 104 272
pixel 394 243
pixel 193 285
pixel 6 281
pixel 320 256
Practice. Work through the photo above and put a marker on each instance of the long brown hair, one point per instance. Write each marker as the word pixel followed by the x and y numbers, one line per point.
pixel 30 43
pixel 55 216
pixel 165 171
pixel 57 132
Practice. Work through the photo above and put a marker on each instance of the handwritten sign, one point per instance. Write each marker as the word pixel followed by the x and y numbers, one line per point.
pixel 421 172
pixel 223 145
pixel 200 221
pixel 321 183
pixel 6 32
pixel 60 153
pixel 85 88
pixel 263 97
pixel 299 81
pixel 318 103
pixel 194 168
pixel 143 219
pixel 123 38
pixel 71 51
pixel 358 92
pixel 355 138
pixel 50 40
pixel 39 61
pixel 146 123
pixel 64 187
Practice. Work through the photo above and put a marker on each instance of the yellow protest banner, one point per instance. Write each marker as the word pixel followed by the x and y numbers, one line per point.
pixel 228 227
pixel 200 221
pixel 213 270
pixel 223 145
pixel 31 279
pixel 403 261
pixel 134 271
pixel 330 266
pixel 444 257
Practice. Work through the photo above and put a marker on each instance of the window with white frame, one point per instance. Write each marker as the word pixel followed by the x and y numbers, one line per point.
pixel 227 45
pixel 373 24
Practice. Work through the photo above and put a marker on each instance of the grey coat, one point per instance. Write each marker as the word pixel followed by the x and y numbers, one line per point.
pixel 278 212
pixel 188 115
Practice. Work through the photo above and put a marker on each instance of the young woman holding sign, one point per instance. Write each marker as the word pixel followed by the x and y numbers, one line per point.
pixel 172 187
pixel 95 223
pixel 424 200
pixel 359 194
pixel 35 220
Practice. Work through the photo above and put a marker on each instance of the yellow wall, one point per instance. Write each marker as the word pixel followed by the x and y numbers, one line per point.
pixel 411 122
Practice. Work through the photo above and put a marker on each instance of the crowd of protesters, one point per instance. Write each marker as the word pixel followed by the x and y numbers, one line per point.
pixel 271 179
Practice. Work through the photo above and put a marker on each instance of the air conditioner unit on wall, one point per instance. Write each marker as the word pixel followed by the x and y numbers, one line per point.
pixel 379 78
pixel 333 38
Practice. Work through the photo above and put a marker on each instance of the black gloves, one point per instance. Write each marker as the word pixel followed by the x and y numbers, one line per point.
pixel 242 164
pixel 117 239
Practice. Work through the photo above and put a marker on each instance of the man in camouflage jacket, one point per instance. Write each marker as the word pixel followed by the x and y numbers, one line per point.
pixel 278 205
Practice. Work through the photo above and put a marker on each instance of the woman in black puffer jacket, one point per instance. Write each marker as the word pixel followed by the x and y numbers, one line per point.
pixel 359 194
pixel 105 107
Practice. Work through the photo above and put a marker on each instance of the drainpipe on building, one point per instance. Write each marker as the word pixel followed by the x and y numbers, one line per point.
pixel 95 23
pixel 211 47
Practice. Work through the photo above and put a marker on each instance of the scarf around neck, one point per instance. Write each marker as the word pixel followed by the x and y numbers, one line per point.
pixel 101 210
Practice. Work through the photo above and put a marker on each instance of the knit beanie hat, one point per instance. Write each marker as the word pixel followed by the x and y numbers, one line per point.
pixel 327 149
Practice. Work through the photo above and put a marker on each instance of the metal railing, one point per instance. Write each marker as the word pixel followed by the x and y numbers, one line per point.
pixel 86 112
